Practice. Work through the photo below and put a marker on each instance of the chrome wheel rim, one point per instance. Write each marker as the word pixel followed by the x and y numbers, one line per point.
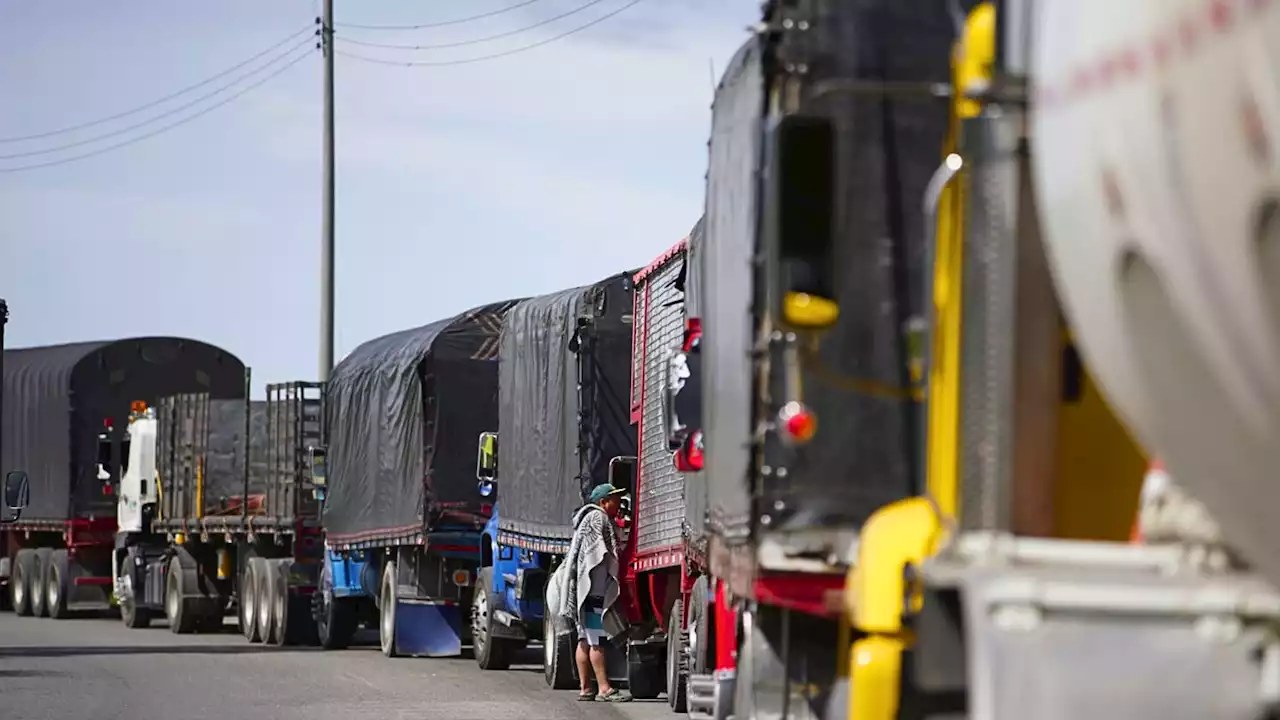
pixel 386 624
pixel 480 628
pixel 19 589
pixel 548 641
pixel 171 602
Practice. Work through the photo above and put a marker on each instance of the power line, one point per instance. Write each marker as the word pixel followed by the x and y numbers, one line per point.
pixel 164 128
pixel 71 128
pixel 443 23
pixel 165 114
pixel 474 41
pixel 492 56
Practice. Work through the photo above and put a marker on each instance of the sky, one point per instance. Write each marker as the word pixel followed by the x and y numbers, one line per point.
pixel 457 184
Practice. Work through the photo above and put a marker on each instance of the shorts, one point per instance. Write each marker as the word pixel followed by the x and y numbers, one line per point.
pixel 592 629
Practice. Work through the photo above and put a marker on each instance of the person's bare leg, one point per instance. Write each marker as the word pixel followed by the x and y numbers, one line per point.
pixel 584 666
pixel 602 675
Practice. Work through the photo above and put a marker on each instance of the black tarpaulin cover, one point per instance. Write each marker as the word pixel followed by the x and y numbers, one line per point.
pixel 887 147
pixel 56 399
pixel 404 413
pixel 225 476
pixel 555 441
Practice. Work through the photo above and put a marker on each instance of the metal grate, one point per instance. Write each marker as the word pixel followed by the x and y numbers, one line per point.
pixel 295 421
pixel 660 499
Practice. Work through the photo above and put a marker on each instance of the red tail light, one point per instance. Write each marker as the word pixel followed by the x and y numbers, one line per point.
pixel 689 457
pixel 798 423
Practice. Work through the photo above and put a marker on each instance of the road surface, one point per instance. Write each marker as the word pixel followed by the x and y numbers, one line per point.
pixel 95 669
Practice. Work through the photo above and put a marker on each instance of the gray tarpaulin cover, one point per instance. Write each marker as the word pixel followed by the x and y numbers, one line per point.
pixel 57 397
pixel 555 440
pixel 405 411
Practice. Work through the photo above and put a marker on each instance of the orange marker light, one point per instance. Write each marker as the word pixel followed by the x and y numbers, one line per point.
pixel 798 423
pixel 138 406
pixel 461 578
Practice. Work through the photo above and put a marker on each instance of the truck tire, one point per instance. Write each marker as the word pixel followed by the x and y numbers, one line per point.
pixel 249 602
pixel 698 629
pixel 387 610
pixel 491 653
pixel 645 678
pixel 35 586
pixel 24 569
pixel 559 668
pixel 264 592
pixel 337 619
pixel 134 617
pixel 677 661
pixel 182 618
pixel 55 584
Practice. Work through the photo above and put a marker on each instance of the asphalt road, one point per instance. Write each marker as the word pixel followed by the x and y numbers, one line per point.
pixel 97 669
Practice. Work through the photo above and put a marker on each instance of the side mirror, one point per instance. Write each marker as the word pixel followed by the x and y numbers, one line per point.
pixel 800 227
pixel 319 480
pixel 677 372
pixel 16 492
pixel 622 472
pixel 487 463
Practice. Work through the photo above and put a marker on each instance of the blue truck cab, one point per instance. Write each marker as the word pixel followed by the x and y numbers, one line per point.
pixel 507 609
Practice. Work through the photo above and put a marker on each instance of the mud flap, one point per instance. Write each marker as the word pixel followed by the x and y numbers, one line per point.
pixel 428 628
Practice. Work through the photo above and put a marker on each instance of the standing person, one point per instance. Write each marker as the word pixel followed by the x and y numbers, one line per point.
pixel 587 586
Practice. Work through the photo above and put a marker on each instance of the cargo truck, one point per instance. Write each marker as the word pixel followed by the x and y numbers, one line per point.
pixel 230 521
pixel 66 411
pixel 402 516
pixel 800 435
pixel 14 494
pixel 661 557
pixel 564 360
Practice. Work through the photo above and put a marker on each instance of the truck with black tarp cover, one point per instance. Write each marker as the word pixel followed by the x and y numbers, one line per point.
pixel 808 285
pixel 231 520
pixel 402 515
pixel 66 414
pixel 563 369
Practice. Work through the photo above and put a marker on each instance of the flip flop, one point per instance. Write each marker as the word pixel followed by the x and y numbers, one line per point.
pixel 615 696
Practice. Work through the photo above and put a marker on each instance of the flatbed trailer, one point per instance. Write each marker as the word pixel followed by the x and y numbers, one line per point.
pixel 237 525
pixel 65 415
pixel 402 516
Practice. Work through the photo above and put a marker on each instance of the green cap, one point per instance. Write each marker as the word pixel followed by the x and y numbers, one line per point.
pixel 601 492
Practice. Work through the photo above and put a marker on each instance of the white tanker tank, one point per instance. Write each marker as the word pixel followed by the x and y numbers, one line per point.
pixel 1157 146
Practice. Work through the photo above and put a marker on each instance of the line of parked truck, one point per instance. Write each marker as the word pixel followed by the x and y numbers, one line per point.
pixel 426 489
pixel 870 474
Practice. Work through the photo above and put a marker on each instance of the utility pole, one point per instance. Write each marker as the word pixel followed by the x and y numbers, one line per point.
pixel 327 229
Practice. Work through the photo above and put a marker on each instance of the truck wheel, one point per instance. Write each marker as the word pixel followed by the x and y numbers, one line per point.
pixel 24 569
pixel 264 590
pixel 558 665
pixel 249 603
pixel 181 619
pixel 387 607
pixel 337 619
pixel 491 653
pixel 645 678
pixel 55 586
pixel 677 661
pixel 134 617
pixel 35 585
pixel 698 629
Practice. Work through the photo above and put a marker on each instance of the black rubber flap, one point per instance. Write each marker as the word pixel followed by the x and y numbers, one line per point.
pixel 404 413
pixel 56 399
pixel 565 360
